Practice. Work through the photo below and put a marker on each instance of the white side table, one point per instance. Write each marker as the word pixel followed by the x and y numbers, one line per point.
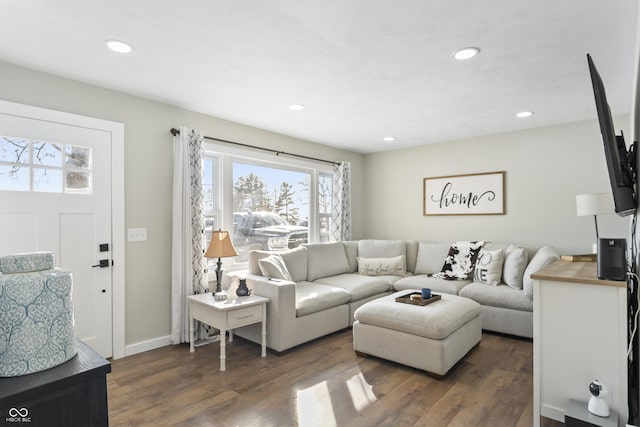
pixel 226 315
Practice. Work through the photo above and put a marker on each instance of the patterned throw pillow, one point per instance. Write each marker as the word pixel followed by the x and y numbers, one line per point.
pixel 489 267
pixel 459 264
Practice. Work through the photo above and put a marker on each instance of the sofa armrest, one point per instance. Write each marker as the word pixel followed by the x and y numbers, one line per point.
pixel 281 309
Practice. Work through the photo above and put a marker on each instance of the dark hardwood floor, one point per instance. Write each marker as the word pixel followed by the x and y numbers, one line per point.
pixel 323 383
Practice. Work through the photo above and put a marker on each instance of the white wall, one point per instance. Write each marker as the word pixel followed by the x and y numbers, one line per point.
pixel 545 169
pixel 148 176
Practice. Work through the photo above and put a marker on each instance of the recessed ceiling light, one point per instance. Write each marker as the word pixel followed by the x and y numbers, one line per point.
pixel 466 53
pixel 296 107
pixel 389 138
pixel 524 114
pixel 119 46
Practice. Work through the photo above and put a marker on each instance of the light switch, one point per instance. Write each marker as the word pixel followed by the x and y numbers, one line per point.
pixel 137 234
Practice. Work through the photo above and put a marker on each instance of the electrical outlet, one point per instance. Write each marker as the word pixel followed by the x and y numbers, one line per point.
pixel 137 234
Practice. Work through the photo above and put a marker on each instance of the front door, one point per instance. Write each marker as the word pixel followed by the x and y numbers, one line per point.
pixel 55 195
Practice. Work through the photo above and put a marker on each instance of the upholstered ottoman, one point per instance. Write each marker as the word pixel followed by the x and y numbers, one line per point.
pixel 433 337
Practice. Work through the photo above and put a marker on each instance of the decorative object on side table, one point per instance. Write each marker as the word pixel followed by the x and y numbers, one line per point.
pixel 220 247
pixel 415 298
pixel 242 290
pixel 36 316
pixel 594 204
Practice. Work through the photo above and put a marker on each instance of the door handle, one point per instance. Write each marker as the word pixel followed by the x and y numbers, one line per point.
pixel 103 264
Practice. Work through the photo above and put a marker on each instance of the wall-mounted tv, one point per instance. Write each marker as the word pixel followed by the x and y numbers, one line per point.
pixel 621 162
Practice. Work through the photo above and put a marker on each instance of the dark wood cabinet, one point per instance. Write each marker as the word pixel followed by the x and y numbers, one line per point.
pixel 71 394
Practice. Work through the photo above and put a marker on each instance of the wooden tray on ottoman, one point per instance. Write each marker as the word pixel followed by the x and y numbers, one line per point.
pixel 407 299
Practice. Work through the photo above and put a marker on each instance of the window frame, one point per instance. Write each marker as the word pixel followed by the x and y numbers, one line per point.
pixel 226 155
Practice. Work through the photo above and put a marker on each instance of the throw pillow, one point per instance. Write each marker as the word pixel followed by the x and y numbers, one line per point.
pixel 489 267
pixel 459 263
pixel 545 256
pixel 515 261
pixel 382 266
pixel 274 267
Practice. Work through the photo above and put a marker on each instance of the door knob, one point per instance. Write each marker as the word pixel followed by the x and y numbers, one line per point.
pixel 103 264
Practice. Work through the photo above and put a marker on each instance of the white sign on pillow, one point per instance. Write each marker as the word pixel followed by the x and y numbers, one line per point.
pixel 489 267
pixel 381 266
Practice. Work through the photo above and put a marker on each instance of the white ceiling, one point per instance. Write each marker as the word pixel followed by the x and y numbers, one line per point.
pixel 364 69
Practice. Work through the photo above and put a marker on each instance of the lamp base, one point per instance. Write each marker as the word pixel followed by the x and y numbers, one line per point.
pixel 220 295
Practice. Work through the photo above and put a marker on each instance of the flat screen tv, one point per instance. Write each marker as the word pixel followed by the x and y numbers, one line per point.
pixel 621 162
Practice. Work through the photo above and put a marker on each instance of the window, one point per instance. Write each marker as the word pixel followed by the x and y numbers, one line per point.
pixel 265 204
pixel 270 207
pixel 325 205
pixel 210 187
pixel 48 167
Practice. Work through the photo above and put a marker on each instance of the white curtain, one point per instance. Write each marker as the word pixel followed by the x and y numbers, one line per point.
pixel 341 214
pixel 188 265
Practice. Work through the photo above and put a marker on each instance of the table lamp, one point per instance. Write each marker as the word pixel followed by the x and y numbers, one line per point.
pixel 220 247
pixel 594 204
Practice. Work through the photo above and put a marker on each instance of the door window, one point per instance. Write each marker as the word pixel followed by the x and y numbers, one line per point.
pixel 48 167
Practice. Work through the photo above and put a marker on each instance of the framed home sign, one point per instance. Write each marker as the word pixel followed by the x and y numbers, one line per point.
pixel 473 194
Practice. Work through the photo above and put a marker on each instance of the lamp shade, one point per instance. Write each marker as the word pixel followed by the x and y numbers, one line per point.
pixel 220 246
pixel 594 204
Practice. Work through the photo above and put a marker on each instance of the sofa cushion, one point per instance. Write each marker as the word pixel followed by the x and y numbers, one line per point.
pixel 296 262
pixel 326 259
pixel 545 256
pixel 431 256
pixel 274 267
pixel 459 263
pixel 359 286
pixel 411 255
pixel 395 266
pixel 498 296
pixel 382 248
pixel 488 267
pixel 420 281
pixel 351 248
pixel 314 297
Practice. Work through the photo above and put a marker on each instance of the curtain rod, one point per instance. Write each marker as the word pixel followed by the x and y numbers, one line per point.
pixel 175 132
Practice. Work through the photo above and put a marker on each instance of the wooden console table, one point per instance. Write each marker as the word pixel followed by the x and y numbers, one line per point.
pixel 71 394
pixel 579 335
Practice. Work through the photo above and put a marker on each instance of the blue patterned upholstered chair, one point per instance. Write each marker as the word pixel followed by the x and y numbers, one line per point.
pixel 36 314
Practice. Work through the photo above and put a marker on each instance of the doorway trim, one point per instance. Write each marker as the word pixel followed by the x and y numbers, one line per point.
pixel 116 131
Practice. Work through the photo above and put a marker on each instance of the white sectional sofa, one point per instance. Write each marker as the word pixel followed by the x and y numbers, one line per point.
pixel 314 290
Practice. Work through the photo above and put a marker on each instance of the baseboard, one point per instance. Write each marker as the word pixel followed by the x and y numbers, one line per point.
pixel 143 346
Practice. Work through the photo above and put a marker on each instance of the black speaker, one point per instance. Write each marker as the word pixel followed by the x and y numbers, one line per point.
pixel 612 259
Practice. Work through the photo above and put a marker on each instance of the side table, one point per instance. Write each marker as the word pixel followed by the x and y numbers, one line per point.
pixel 226 315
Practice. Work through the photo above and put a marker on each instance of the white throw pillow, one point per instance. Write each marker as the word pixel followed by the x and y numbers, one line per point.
pixel 274 267
pixel 489 267
pixel 458 265
pixel 545 256
pixel 515 261
pixel 382 266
